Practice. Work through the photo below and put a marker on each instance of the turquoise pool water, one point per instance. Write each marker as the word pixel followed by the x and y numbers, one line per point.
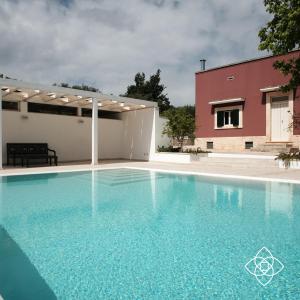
pixel 133 234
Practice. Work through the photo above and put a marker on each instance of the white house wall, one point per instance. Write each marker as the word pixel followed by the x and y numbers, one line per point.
pixel 161 139
pixel 70 136
pixel 137 134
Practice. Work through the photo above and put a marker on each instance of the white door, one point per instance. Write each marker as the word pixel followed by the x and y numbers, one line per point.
pixel 280 121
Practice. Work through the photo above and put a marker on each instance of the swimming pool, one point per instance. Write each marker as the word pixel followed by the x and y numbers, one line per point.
pixel 136 234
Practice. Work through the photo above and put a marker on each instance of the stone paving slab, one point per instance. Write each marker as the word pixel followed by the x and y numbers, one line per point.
pixel 235 169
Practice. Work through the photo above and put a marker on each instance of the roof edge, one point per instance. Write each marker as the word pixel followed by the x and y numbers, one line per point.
pixel 245 61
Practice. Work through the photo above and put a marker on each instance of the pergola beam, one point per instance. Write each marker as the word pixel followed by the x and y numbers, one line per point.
pixel 57 97
pixel 79 101
pixel 1 138
pixel 21 85
pixel 33 95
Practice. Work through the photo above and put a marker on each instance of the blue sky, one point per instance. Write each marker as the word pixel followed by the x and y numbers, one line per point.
pixel 104 43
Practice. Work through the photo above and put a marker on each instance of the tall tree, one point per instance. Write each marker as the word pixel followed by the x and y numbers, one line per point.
pixel 190 109
pixel 180 124
pixel 281 35
pixel 152 90
pixel 82 87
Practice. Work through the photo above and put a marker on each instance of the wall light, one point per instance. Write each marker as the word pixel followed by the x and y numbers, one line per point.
pixel 64 99
pixel 5 89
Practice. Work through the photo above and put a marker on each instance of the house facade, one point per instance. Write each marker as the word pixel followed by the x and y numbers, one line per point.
pixel 240 106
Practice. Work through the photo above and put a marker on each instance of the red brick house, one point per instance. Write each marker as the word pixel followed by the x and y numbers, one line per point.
pixel 240 106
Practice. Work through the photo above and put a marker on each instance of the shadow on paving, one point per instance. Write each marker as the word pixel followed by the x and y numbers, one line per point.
pixel 19 279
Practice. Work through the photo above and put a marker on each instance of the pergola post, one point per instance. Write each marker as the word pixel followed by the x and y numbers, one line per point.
pixel 1 162
pixel 95 132
pixel 94 194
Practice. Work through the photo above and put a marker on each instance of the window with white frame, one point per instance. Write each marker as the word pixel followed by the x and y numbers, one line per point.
pixel 228 117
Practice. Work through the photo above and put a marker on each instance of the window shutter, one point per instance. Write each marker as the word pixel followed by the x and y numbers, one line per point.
pixel 235 117
pixel 220 118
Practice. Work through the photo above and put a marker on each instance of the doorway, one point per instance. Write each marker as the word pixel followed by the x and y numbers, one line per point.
pixel 280 119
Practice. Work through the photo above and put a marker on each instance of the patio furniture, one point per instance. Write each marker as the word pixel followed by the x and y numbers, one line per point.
pixel 28 152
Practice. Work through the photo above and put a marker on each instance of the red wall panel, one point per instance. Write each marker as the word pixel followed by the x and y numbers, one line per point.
pixel 249 78
pixel 297 112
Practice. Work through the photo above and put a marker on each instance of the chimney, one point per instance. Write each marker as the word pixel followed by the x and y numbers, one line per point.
pixel 202 64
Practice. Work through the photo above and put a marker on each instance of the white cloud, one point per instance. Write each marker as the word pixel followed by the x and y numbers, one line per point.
pixel 104 43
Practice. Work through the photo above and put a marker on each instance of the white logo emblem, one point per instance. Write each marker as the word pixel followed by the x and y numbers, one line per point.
pixel 264 266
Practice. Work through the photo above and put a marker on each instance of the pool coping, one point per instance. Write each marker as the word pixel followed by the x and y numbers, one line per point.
pixel 103 167
pixel 219 175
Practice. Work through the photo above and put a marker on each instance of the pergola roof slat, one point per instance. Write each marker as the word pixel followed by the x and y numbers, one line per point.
pixel 15 90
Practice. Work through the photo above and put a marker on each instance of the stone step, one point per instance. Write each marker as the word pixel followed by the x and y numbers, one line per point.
pixel 244 155
pixel 274 147
pixel 237 162
pixel 224 166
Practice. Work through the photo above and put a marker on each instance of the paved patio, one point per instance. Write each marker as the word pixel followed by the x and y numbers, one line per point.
pixel 235 168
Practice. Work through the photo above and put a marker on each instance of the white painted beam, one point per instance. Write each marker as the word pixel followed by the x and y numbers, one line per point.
pixel 95 132
pixel 224 101
pixel 270 89
pixel 94 194
pixel 153 145
pixel 1 138
pixel 16 84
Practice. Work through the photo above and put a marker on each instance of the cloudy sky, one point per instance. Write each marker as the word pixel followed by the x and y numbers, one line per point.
pixel 104 43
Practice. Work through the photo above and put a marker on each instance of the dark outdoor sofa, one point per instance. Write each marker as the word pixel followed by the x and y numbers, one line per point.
pixel 25 153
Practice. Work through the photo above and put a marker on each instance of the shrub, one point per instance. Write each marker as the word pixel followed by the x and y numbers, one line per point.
pixel 288 157
pixel 195 151
pixel 167 149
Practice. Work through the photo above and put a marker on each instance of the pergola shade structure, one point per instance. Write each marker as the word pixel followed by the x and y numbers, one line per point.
pixel 13 90
pixel 19 91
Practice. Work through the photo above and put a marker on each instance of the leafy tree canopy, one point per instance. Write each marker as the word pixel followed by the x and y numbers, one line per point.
pixel 281 35
pixel 152 90
pixel 190 109
pixel 5 77
pixel 82 87
pixel 180 124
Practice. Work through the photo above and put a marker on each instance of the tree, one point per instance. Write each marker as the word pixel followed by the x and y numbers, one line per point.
pixel 82 87
pixel 190 109
pixel 151 90
pixel 6 77
pixel 281 35
pixel 180 124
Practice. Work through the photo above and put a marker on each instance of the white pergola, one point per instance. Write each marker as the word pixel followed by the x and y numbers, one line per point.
pixel 19 91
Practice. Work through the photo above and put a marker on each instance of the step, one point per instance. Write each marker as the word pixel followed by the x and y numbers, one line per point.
pixel 258 163
pixel 274 147
pixel 235 156
pixel 237 160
